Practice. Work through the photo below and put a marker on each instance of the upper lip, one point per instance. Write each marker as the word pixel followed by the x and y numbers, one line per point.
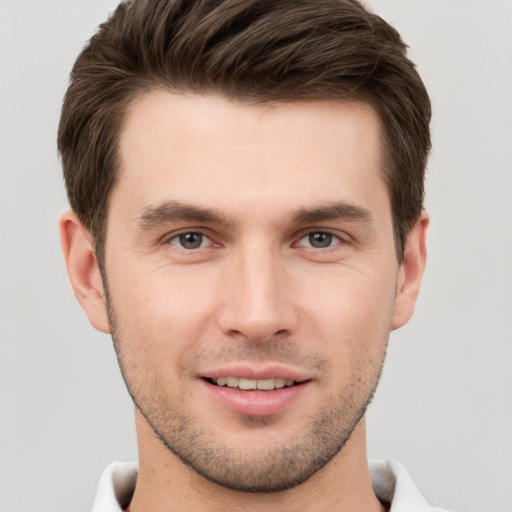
pixel 268 371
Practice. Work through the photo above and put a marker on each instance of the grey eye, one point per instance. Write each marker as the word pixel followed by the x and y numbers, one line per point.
pixel 189 240
pixel 320 239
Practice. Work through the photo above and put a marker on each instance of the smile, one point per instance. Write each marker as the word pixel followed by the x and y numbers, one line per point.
pixel 256 397
pixel 252 384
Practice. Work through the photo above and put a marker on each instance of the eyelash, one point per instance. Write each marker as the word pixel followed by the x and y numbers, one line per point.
pixel 178 236
pixel 330 236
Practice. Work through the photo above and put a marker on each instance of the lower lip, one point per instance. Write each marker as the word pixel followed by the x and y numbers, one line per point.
pixel 256 403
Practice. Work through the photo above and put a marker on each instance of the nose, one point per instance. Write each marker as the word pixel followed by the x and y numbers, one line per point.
pixel 258 296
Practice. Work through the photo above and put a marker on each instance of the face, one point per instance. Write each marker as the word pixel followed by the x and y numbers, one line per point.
pixel 252 280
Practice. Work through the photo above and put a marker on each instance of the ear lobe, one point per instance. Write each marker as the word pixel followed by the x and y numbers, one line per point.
pixel 411 272
pixel 83 271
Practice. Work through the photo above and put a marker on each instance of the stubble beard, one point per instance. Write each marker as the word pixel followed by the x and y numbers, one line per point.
pixel 256 469
pixel 277 467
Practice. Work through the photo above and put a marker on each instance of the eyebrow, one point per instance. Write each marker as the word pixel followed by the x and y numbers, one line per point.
pixel 333 211
pixel 173 211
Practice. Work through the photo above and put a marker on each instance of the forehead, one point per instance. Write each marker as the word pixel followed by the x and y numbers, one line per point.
pixel 188 118
pixel 179 145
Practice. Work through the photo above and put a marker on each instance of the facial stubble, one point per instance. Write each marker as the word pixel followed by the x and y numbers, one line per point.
pixel 274 468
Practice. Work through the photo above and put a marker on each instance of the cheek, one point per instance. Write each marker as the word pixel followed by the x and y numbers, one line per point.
pixel 351 311
pixel 350 294
pixel 166 310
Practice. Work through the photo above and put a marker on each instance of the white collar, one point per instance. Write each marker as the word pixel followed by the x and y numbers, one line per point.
pixel 391 483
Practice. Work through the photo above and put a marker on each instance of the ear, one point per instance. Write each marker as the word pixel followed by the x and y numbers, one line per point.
pixel 411 272
pixel 83 271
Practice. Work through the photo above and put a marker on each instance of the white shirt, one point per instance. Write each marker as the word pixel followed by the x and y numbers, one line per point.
pixel 391 483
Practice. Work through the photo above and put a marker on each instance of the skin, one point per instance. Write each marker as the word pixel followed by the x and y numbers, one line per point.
pixel 295 273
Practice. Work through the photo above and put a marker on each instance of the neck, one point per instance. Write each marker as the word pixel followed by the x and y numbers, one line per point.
pixel 166 483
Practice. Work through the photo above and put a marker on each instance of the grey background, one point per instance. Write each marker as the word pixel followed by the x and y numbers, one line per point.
pixel 444 407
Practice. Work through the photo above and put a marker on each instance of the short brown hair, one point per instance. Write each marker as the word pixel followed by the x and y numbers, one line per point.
pixel 254 51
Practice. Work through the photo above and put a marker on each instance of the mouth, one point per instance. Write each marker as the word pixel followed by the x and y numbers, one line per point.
pixel 252 384
pixel 250 394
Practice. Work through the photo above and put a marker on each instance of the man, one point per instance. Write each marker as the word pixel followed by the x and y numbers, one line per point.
pixel 246 184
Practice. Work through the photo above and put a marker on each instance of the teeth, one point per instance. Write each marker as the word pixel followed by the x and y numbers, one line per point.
pixel 222 381
pixel 247 384
pixel 251 384
pixel 232 382
pixel 279 383
pixel 266 384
